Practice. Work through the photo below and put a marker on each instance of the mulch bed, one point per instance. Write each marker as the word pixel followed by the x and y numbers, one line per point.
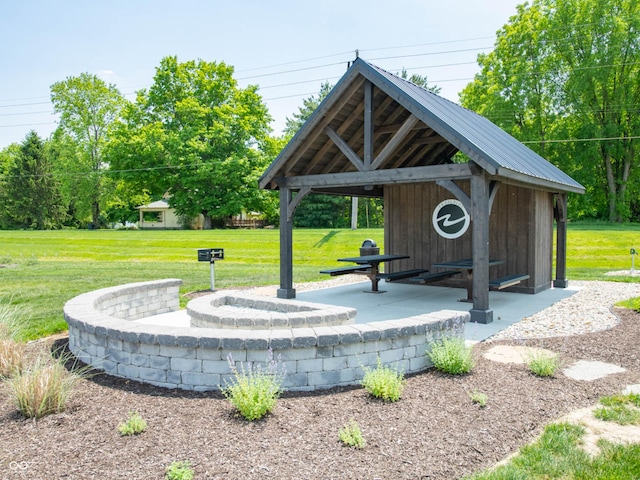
pixel 433 432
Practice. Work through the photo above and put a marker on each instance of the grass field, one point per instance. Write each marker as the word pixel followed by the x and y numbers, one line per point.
pixel 45 269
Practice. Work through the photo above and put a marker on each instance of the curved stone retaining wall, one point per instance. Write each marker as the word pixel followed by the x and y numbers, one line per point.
pixel 242 310
pixel 103 332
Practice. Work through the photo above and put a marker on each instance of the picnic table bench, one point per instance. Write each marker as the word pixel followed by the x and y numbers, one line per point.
pixel 508 281
pixel 346 270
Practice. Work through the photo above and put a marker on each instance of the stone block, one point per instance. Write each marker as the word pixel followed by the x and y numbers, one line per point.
pixel 173 376
pixel 327 336
pixel 349 334
pixel 139 360
pixel 304 337
pixel 335 363
pixel 377 346
pixel 400 342
pixel 177 352
pixel 297 354
pixel 296 380
pixel 391 356
pixel 208 354
pixel 128 371
pixel 160 363
pixel 418 364
pixel 149 349
pixel 314 365
pixel 325 379
pixel 364 359
pixel 219 367
pixel 209 342
pixel 130 347
pixel 324 352
pixel 348 349
pixel 368 332
pixel 257 339
pixel 188 341
pixel 186 365
pixel 281 339
pixel 197 380
pixel 118 356
pixel 154 375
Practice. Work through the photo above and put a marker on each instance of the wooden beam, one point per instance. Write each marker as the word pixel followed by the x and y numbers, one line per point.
pixel 286 289
pixel 561 242
pixel 480 248
pixel 368 124
pixel 293 204
pixel 392 144
pixel 379 177
pixel 457 192
pixel 392 128
pixel 345 148
pixel 493 190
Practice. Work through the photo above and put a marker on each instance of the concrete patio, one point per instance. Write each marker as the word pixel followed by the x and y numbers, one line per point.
pixel 405 300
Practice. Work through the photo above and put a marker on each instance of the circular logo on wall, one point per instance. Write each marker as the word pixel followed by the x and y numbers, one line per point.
pixel 450 219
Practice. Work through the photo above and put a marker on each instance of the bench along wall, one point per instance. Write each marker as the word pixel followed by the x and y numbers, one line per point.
pixel 103 333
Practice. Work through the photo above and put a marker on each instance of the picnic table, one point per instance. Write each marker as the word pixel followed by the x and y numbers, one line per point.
pixel 465 265
pixel 372 269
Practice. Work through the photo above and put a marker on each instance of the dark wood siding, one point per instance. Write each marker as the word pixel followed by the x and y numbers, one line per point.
pixel 521 232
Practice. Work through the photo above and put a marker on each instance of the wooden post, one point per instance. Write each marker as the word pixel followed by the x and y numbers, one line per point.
pixel 480 312
pixel 561 241
pixel 286 289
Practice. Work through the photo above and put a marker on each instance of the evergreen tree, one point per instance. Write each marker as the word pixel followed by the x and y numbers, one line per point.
pixel 32 193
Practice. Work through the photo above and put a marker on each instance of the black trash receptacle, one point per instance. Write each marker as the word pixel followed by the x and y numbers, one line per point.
pixel 369 247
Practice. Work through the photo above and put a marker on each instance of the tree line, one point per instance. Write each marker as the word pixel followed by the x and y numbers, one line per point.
pixel 563 78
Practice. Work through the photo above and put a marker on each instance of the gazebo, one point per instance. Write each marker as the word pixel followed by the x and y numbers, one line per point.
pixel 377 135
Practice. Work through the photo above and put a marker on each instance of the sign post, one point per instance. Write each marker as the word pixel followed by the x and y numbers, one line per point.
pixel 211 255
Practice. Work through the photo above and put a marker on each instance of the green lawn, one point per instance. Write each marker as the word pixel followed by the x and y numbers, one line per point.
pixel 45 269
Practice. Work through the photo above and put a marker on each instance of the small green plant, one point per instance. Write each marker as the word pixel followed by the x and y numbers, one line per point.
pixel 44 386
pixel 451 355
pixel 134 425
pixel 254 389
pixel 479 398
pixel 179 471
pixel 383 382
pixel 351 435
pixel 621 409
pixel 543 364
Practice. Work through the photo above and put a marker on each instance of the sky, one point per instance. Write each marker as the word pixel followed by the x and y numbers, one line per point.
pixel 286 47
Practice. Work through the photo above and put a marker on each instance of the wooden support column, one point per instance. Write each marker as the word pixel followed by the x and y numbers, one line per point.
pixel 561 241
pixel 286 289
pixel 480 196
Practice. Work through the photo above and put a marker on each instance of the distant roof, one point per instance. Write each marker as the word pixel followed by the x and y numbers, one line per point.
pixel 411 127
pixel 158 204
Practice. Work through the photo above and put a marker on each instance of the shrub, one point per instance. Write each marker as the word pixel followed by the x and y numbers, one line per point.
pixel 383 382
pixel 543 364
pixel 134 425
pixel 351 435
pixel 479 398
pixel 43 387
pixel 451 355
pixel 179 471
pixel 254 388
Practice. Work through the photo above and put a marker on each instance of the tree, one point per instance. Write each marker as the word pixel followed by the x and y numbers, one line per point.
pixel 570 70
pixel 197 136
pixel 87 108
pixel 31 196
pixel 419 80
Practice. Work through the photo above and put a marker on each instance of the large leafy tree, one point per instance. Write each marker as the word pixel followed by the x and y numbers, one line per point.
pixel 569 70
pixel 199 137
pixel 31 193
pixel 87 108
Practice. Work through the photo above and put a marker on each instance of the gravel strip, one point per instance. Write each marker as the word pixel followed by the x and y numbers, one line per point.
pixel 587 311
